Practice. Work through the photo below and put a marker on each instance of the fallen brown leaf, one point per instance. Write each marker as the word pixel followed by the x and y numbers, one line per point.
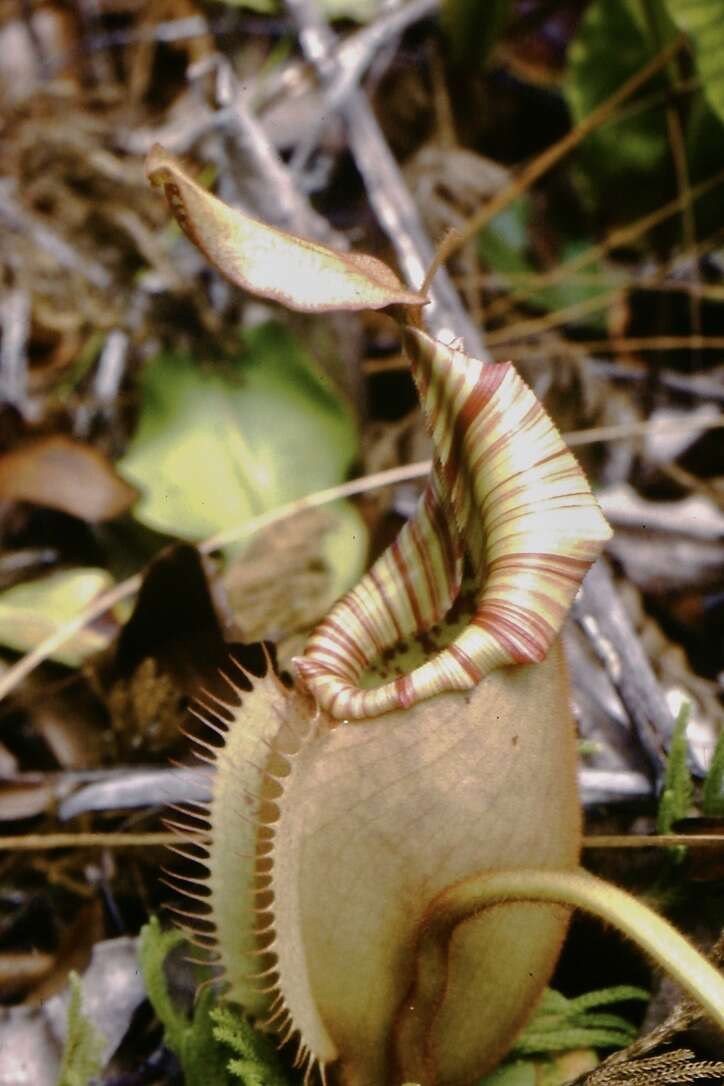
pixel 74 952
pixel 26 800
pixel 20 970
pixel 63 473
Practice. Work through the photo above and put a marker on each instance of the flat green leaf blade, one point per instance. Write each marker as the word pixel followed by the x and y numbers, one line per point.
pixel 33 610
pixel 520 1073
pixel 215 447
pixel 473 28
pixel 703 21
pixel 610 45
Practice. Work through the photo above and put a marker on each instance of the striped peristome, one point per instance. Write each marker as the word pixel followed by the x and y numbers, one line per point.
pixel 507 494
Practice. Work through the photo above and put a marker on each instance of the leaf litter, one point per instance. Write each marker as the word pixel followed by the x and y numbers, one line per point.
pixel 88 245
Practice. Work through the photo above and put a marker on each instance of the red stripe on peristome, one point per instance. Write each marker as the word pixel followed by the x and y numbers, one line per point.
pixel 424 556
pixel 563 451
pixel 319 667
pixel 405 691
pixel 487 452
pixel 309 668
pixel 337 660
pixel 382 592
pixel 344 693
pixel 409 587
pixel 358 612
pixel 521 648
pixel 479 396
pixel 525 618
pixel 441 531
pixel 529 505
pixel 332 630
pixel 531 416
pixel 569 569
pixel 448 384
pixel 549 604
pixel 468 413
pixel 492 375
pixel 493 498
pixel 465 662
pixel 413 350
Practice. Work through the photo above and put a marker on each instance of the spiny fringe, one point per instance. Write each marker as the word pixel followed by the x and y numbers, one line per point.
pixel 191 809
pixel 188 894
pixel 188 855
pixel 190 879
pixel 194 827
pixel 195 771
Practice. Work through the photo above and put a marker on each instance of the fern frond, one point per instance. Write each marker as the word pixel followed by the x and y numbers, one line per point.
pixel 83 1045
pixel 712 800
pixel 560 1025
pixel 256 1062
pixel 678 791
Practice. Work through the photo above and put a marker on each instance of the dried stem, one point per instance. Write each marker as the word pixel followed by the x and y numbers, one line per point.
pixel 616 239
pixel 548 158
pixel 39 842
pixel 604 619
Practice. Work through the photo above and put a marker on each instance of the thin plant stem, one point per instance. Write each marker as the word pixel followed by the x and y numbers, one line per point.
pixel 571 889
pixel 39 842
pixel 239 533
pixel 677 146
pixel 529 282
pixel 597 434
pixel 540 165
pixel 548 321
pixel 640 343
pixel 618 238
pixel 608 281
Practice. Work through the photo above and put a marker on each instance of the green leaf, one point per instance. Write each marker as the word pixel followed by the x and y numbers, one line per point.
pixel 677 795
pixel 703 21
pixel 610 45
pixel 504 246
pixel 263 7
pixel 215 447
pixel 473 28
pixel 256 1060
pixel 559 1024
pixel 603 997
pixel 203 1061
pixel 520 1073
pixel 567 1039
pixel 712 800
pixel 154 947
pixel 359 10
pixel 32 611
pixel 343 548
pixel 83 1045
pixel 202 1042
